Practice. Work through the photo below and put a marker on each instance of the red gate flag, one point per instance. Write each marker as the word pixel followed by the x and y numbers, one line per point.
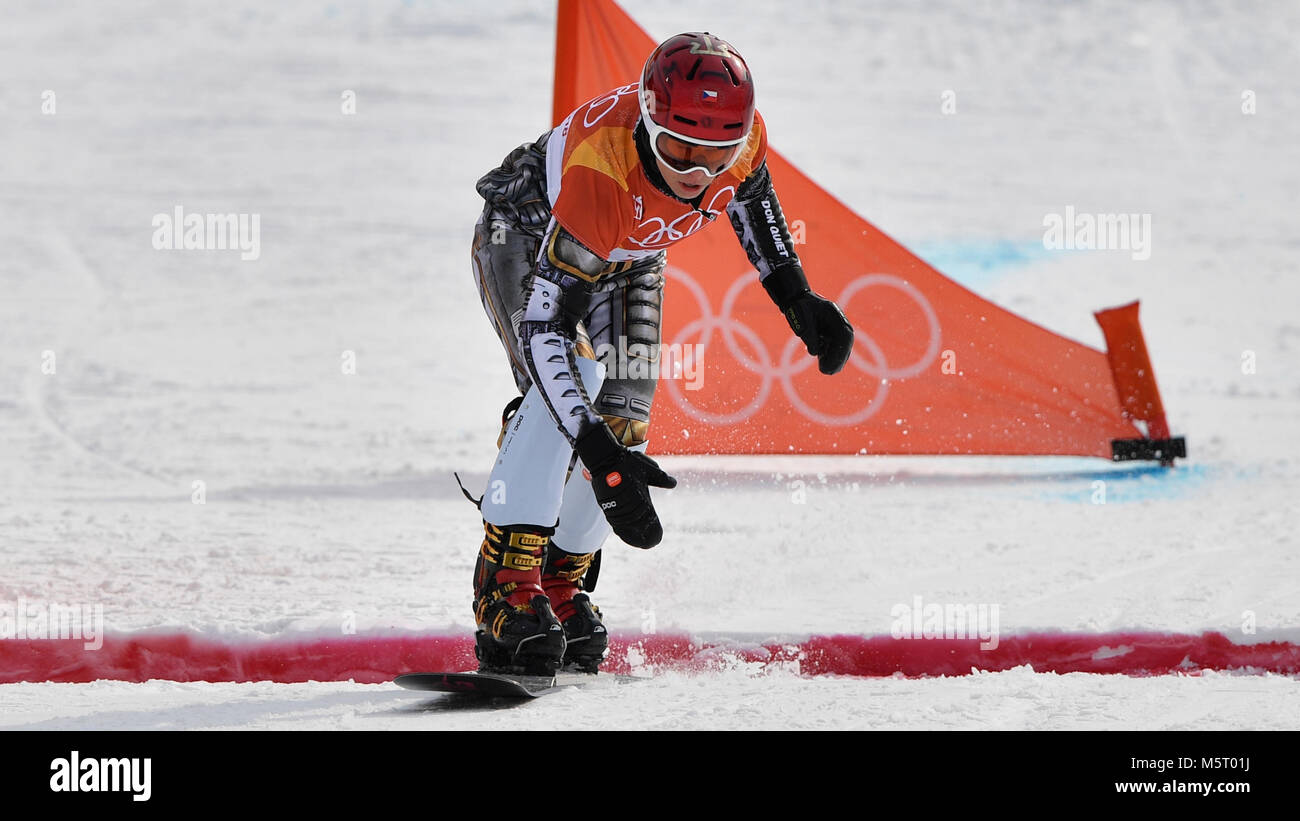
pixel 936 369
pixel 1126 351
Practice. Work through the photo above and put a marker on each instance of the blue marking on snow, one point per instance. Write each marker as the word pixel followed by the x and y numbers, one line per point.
pixel 976 264
pixel 1141 483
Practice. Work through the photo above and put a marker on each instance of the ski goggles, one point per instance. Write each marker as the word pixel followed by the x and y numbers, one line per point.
pixel 685 155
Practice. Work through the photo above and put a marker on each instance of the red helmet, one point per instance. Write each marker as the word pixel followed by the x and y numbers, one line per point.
pixel 697 102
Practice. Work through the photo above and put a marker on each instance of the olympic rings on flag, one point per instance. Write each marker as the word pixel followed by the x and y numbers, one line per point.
pixel 790 363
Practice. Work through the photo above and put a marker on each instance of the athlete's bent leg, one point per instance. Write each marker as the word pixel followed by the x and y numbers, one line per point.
pixel 518 629
pixel 623 323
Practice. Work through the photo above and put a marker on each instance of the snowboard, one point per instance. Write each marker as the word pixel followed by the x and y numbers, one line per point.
pixel 502 685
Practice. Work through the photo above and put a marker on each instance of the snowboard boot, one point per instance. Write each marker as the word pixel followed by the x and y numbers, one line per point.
pixel 566 577
pixel 517 630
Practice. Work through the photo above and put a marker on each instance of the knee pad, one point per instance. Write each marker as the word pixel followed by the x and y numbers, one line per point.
pixel 629 432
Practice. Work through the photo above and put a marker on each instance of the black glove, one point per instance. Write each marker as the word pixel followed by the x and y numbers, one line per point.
pixel 816 320
pixel 621 480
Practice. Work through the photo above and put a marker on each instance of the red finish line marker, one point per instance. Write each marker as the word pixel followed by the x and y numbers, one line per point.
pixel 379 658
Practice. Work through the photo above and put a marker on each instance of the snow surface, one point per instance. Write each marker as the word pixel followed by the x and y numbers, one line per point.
pixel 329 497
pixel 1018 699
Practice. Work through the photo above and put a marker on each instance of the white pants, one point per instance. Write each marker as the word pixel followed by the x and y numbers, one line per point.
pixel 528 481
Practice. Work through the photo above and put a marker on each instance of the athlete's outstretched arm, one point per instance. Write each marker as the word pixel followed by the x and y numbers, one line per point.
pixel 559 292
pixel 760 226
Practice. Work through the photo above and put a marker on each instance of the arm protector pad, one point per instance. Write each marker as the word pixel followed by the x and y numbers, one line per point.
pixel 759 224
pixel 558 296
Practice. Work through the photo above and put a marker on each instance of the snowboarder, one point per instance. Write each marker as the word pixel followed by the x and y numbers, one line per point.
pixel 568 257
